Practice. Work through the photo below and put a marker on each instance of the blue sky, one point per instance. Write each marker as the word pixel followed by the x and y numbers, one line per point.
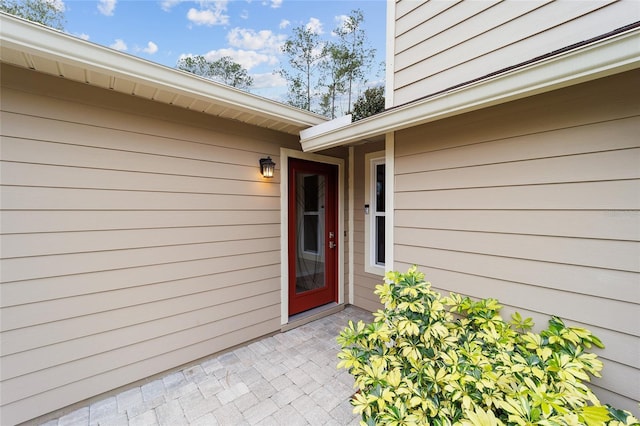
pixel 250 31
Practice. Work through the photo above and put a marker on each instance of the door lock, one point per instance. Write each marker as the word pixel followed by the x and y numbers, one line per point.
pixel 332 235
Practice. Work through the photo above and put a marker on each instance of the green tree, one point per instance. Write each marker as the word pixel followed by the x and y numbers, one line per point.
pixel 321 73
pixel 45 12
pixel 223 70
pixel 297 94
pixel 369 103
pixel 334 67
pixel 353 40
pixel 304 51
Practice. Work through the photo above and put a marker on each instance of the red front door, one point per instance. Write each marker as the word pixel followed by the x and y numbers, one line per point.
pixel 313 234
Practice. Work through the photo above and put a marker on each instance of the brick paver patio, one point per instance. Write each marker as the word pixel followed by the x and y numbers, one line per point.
pixel 287 379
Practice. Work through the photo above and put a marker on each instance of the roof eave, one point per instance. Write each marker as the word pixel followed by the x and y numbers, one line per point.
pixel 34 39
pixel 606 57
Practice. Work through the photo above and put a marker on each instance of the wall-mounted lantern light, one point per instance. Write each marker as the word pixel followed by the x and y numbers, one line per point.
pixel 267 166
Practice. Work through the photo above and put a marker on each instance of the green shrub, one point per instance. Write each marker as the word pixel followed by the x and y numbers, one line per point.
pixel 428 360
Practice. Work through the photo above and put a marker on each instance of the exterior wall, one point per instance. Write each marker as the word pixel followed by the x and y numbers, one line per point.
pixel 364 282
pixel 439 44
pixel 136 237
pixel 536 203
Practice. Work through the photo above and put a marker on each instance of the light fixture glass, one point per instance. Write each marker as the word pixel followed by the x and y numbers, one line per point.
pixel 267 167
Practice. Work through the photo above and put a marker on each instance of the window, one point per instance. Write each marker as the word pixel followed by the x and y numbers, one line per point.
pixel 375 213
pixel 378 213
pixel 311 223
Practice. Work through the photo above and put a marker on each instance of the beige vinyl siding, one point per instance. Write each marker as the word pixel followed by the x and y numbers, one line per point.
pixel 136 237
pixel 442 44
pixel 364 282
pixel 536 203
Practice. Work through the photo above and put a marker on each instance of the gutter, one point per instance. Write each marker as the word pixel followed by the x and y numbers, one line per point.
pixel 609 54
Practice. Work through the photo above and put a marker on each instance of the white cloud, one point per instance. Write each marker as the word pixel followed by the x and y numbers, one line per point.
pixel 314 26
pixel 244 14
pixel 84 36
pixel 276 3
pixel 151 48
pixel 284 23
pixel 166 5
pixel 206 17
pixel 119 44
pixel 209 15
pixel 250 39
pixel 268 80
pixel 247 58
pixel 106 7
pixel 341 22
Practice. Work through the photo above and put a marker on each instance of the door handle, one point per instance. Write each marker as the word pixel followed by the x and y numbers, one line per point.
pixel 332 245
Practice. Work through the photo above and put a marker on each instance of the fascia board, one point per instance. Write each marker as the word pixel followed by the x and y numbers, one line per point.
pixel 607 57
pixel 45 42
pixel 327 126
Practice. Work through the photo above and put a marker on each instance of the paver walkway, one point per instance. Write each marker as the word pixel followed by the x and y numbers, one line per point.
pixel 287 379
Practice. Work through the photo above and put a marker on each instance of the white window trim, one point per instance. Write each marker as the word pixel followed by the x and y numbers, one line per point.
pixel 370 265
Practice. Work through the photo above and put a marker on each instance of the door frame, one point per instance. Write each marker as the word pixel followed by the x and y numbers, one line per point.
pixel 285 154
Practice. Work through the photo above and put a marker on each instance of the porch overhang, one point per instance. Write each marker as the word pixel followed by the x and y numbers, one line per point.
pixel 606 56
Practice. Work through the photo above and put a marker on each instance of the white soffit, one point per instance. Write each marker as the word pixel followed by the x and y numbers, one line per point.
pixel 45 50
pixel 609 56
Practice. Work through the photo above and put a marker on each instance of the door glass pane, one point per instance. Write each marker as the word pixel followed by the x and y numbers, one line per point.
pixel 311 233
pixel 310 251
pixel 311 193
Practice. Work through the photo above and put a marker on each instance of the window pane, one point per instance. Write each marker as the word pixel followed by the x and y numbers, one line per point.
pixel 311 193
pixel 380 187
pixel 380 240
pixel 311 233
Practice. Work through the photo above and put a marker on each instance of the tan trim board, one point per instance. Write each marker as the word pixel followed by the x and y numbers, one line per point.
pixel 390 56
pixel 351 220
